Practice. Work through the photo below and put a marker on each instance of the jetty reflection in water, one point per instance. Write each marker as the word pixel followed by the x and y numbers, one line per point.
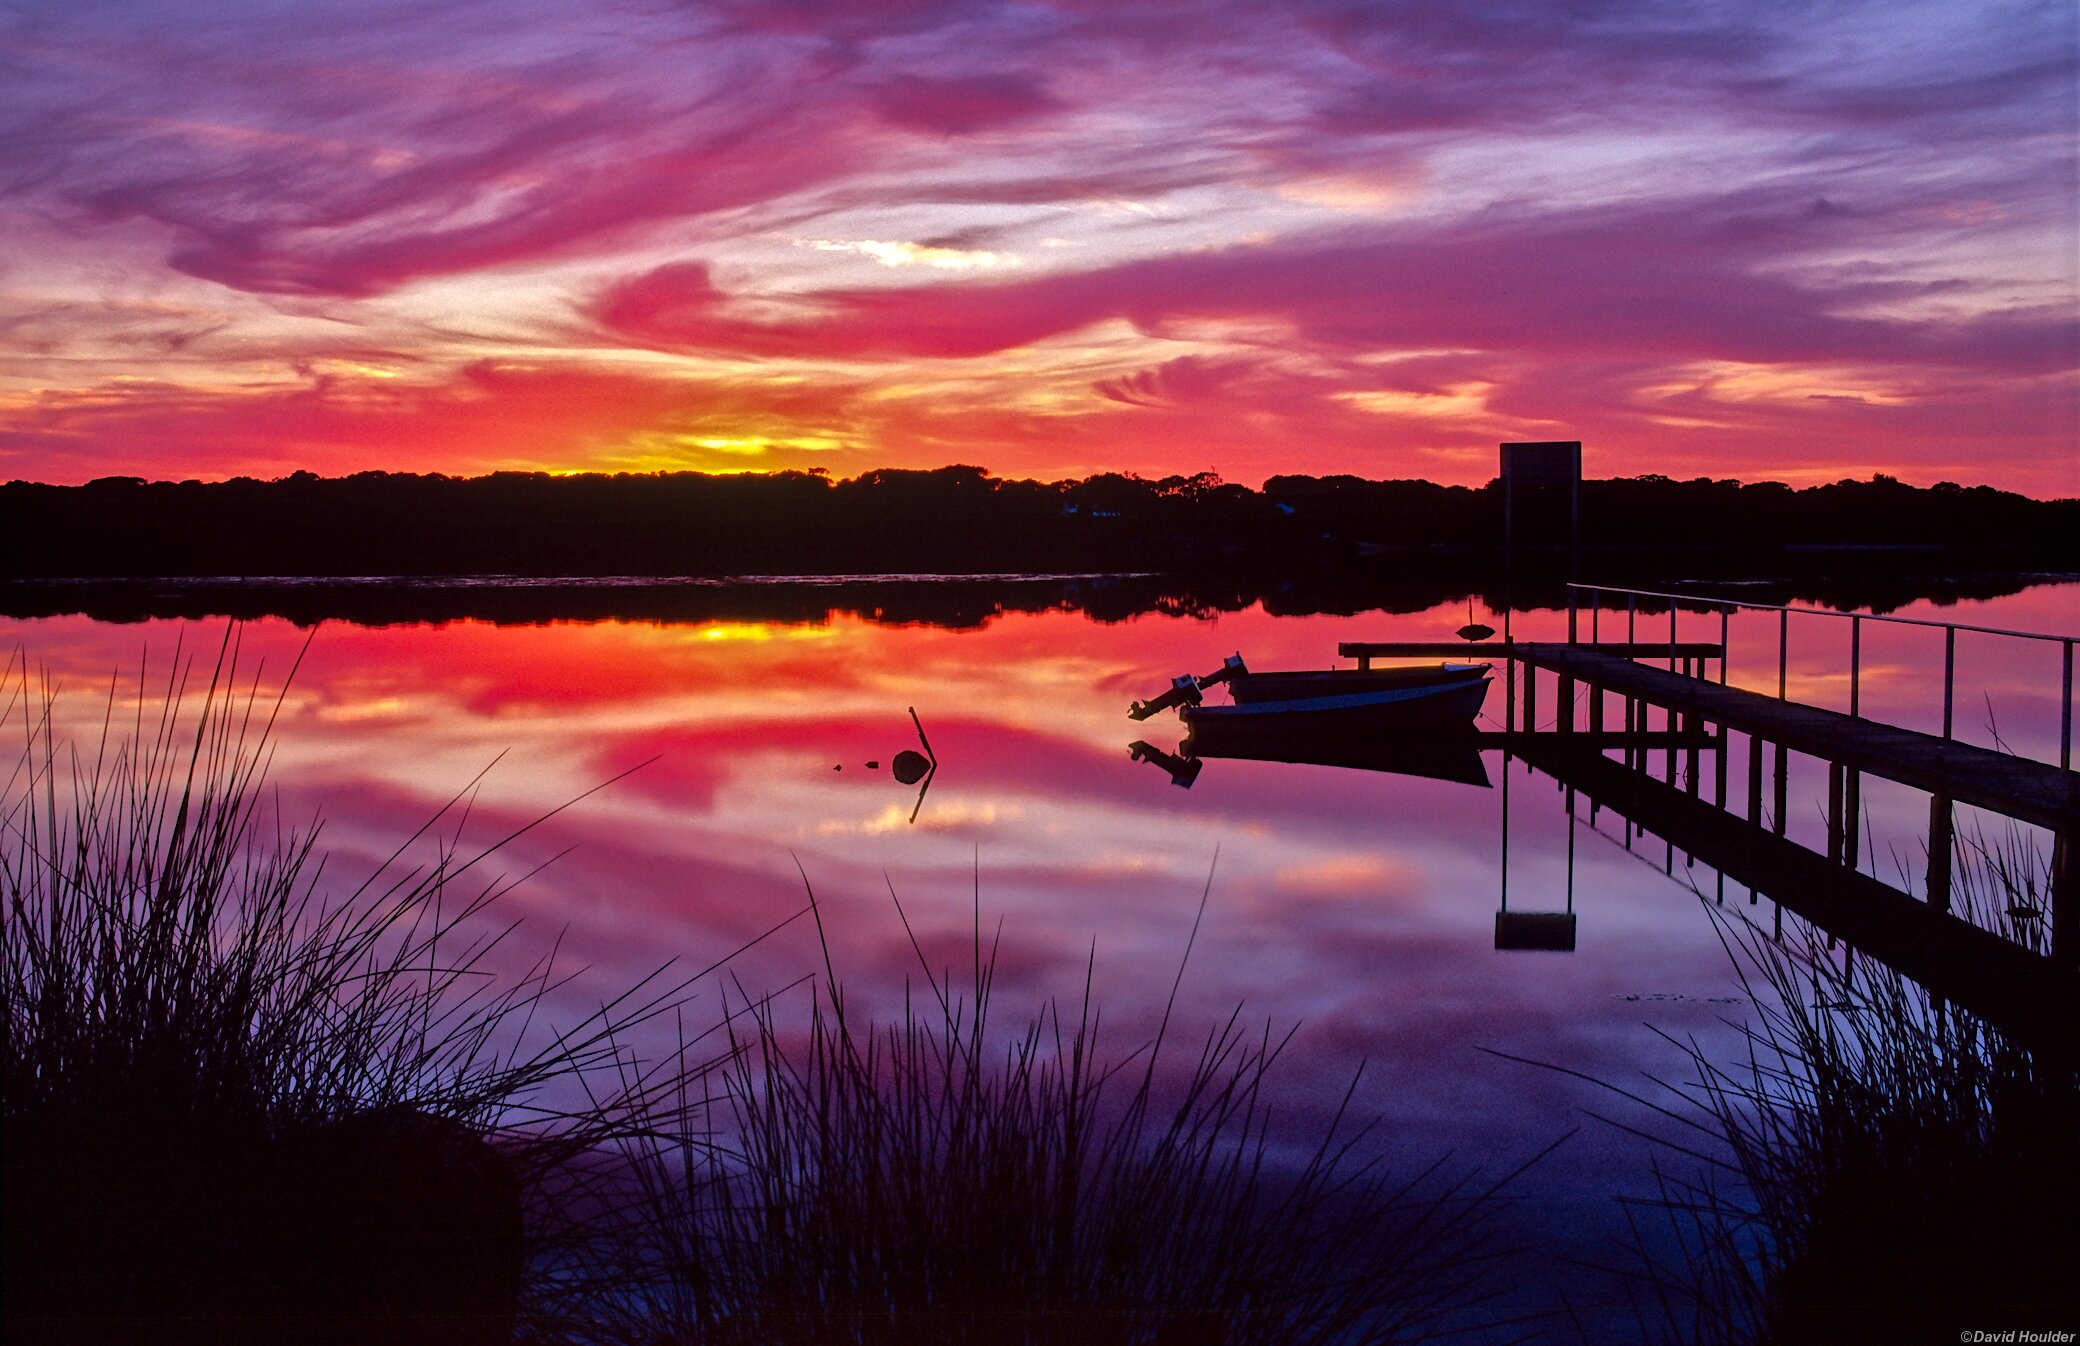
pixel 1359 905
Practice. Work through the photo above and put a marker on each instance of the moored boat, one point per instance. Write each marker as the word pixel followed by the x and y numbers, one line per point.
pixel 1424 699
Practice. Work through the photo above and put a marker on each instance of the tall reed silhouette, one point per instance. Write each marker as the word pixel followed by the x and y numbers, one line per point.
pixel 237 1108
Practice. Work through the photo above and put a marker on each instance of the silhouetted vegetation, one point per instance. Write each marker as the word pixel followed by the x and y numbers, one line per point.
pixel 239 1110
pixel 1888 1167
pixel 937 1180
pixel 1417 581
pixel 958 520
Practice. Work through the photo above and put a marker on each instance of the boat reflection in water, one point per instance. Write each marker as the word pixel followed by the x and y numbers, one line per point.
pixel 1453 757
pixel 1410 721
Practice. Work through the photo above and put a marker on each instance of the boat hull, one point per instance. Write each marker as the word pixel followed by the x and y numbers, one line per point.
pixel 1339 702
pixel 1258 688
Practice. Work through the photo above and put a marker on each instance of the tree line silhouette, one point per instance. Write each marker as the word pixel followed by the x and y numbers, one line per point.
pixel 1402 583
pixel 951 520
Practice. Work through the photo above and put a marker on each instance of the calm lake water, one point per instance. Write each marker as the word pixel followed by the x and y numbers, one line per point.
pixel 1357 907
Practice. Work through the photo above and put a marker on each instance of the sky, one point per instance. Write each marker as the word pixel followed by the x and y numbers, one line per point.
pixel 1800 241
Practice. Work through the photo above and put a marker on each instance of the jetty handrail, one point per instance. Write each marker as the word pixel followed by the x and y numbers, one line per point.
pixel 1725 606
pixel 1709 601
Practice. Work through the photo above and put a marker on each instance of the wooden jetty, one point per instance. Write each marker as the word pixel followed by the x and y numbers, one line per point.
pixel 2026 995
pixel 1950 772
pixel 2016 787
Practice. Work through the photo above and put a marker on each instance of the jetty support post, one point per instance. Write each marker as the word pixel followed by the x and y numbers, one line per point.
pixel 1852 815
pixel 2065 905
pixel 1834 812
pixel 1942 843
pixel 1783 788
pixel 1755 779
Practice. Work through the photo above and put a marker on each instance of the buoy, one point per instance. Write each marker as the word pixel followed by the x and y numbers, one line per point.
pixel 909 767
pixel 1474 630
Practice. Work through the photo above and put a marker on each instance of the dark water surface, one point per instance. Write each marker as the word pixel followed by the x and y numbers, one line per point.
pixel 1358 906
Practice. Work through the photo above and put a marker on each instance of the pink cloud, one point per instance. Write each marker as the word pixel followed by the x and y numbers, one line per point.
pixel 962 106
pixel 1663 283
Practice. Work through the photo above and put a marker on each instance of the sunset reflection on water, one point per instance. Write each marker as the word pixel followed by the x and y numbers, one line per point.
pixel 1358 907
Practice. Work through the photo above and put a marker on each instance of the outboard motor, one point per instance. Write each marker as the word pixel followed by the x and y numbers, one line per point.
pixel 1184 691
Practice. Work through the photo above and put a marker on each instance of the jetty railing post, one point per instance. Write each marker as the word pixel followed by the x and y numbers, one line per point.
pixel 1950 676
pixel 1855 666
pixel 1671 635
pixel 2065 716
pixel 1631 618
pixel 1596 616
pixel 1572 637
pixel 1725 619
pixel 1783 650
